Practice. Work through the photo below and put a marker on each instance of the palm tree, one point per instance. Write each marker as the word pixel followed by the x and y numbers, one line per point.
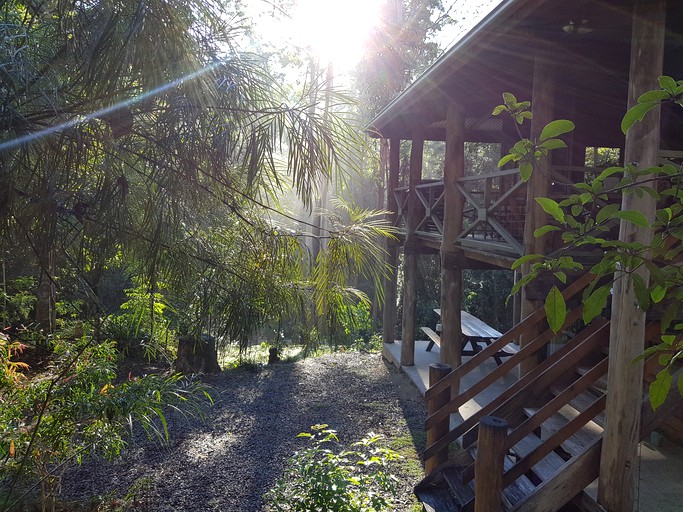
pixel 134 130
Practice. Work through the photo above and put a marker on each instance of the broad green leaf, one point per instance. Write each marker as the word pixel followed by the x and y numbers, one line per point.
pixel 607 212
pixel 553 144
pixel 551 208
pixel 527 258
pixel 641 292
pixel 499 110
pixel 659 389
pixel 525 170
pixel 556 128
pixel 545 229
pixel 609 172
pixel 561 276
pixel 657 294
pixel 635 114
pixel 667 83
pixel 656 273
pixel 652 96
pixel 555 309
pixel 632 216
pixel 585 197
pixel 509 99
pixel 668 339
pixel 507 158
pixel 595 303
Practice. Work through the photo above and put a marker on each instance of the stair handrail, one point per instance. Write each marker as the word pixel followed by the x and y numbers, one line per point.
pixel 521 328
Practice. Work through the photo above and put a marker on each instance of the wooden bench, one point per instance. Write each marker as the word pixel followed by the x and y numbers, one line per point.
pixel 474 332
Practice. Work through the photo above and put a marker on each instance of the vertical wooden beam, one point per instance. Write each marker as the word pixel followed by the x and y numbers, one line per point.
pixel 489 465
pixel 389 315
pixel 410 257
pixel 619 459
pixel 451 254
pixel 542 105
pixel 438 371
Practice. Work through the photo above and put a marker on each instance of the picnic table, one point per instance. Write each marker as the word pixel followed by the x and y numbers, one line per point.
pixel 474 331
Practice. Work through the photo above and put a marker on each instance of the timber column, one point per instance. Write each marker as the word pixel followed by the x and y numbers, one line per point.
pixel 410 256
pixel 542 106
pixel 389 316
pixel 619 459
pixel 451 254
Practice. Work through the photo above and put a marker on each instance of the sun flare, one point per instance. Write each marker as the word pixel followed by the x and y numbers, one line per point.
pixel 336 30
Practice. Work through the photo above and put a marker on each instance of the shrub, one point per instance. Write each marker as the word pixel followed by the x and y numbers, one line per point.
pixel 319 478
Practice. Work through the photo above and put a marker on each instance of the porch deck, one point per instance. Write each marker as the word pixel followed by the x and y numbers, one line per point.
pixel 660 484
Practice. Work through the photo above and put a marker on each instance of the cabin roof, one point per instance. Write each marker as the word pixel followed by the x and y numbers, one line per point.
pixel 588 40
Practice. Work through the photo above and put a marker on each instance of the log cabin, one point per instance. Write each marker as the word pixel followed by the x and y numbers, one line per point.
pixel 544 439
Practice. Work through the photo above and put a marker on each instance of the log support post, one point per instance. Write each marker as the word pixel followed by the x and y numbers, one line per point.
pixel 542 105
pixel 489 466
pixel 437 371
pixel 619 458
pixel 389 312
pixel 410 257
pixel 451 254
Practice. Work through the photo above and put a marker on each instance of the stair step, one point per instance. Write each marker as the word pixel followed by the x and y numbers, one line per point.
pixel 436 500
pixel 462 492
pixel 545 468
pixel 575 443
pixel 513 493
pixel 599 385
pixel 581 402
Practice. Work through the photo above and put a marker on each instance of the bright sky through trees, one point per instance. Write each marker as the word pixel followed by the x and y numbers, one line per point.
pixel 336 30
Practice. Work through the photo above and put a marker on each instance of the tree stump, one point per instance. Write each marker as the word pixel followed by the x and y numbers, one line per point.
pixel 197 355
pixel 273 355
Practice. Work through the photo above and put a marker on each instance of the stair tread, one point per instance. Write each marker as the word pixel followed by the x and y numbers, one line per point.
pixel 516 491
pixel 581 402
pixel 462 492
pixel 436 500
pixel 546 467
pixel 575 443
pixel 600 384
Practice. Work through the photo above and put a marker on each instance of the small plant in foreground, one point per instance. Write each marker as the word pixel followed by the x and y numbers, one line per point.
pixel 321 479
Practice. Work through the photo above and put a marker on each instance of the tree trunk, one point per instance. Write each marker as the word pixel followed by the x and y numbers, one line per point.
pixel 197 355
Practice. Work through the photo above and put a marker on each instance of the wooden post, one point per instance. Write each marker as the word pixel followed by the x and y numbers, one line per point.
pixel 389 315
pixel 451 254
pixel 542 105
pixel 619 459
pixel 410 258
pixel 437 371
pixel 489 466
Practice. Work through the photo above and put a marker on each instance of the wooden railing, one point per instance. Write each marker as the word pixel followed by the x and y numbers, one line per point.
pixel 566 458
pixel 494 204
pixel 452 380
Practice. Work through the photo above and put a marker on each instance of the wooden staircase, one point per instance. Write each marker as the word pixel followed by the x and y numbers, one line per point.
pixel 536 446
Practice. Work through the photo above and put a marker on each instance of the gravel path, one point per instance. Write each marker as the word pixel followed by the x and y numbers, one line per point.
pixel 231 459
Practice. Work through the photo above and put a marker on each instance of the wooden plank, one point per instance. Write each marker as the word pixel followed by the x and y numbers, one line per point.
pixel 545 468
pixel 510 336
pixel 489 464
pixel 575 443
pixel 552 494
pixel 619 462
pixel 463 492
pixel 436 500
pixel 453 203
pixel 440 429
pixel 514 396
pixel 410 258
pixel 475 328
pixel 551 407
pixel 433 337
pixel 389 316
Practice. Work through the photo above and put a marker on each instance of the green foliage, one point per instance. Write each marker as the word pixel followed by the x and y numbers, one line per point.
pixel 78 408
pixel 327 477
pixel 586 219
pixel 18 301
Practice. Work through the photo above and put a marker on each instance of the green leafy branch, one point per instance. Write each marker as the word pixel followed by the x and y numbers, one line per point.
pixel 586 218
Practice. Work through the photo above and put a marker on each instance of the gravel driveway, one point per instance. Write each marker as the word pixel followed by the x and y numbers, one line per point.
pixel 227 462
